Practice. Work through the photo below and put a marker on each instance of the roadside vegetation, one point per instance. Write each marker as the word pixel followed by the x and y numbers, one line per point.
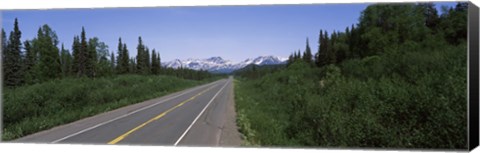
pixel 29 109
pixel 398 79
pixel 45 84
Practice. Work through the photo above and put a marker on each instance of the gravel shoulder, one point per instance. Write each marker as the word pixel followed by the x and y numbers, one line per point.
pixel 230 136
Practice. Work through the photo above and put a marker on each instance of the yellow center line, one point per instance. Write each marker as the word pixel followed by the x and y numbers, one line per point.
pixel 123 136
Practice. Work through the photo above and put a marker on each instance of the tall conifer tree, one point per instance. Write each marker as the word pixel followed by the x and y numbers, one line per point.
pixel 126 60
pixel 112 62
pixel 12 64
pixel 307 55
pixel 140 56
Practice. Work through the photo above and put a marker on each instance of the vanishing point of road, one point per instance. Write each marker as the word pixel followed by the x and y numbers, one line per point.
pixel 200 116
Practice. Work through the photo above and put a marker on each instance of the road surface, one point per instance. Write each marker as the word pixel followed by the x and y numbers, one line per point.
pixel 199 116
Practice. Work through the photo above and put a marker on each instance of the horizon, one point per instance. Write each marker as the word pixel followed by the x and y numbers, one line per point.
pixel 235 33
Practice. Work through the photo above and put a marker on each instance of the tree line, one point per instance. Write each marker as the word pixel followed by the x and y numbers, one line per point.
pixel 384 27
pixel 395 79
pixel 39 59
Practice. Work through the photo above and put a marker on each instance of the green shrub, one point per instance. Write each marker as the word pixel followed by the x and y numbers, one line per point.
pixel 407 97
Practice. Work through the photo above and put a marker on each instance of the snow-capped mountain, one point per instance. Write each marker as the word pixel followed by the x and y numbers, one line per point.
pixel 262 60
pixel 220 65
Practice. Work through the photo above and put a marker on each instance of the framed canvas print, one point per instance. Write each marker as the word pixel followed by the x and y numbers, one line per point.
pixel 359 75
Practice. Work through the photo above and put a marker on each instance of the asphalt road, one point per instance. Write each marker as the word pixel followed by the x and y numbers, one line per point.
pixel 198 116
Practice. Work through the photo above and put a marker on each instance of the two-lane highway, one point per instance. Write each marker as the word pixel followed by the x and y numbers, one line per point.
pixel 197 116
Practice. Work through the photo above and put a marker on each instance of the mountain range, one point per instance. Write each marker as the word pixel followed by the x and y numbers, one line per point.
pixel 219 65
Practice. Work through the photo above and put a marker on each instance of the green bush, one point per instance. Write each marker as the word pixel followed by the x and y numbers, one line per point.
pixel 407 97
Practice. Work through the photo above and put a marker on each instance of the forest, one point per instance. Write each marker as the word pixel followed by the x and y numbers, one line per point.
pixel 45 84
pixel 395 79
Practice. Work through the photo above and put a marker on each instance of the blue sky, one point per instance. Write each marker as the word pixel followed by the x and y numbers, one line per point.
pixel 232 32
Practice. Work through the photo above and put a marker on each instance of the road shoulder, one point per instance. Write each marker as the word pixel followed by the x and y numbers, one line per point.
pixel 230 136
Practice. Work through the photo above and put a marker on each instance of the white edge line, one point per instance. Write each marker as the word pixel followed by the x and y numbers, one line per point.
pixel 195 120
pixel 125 115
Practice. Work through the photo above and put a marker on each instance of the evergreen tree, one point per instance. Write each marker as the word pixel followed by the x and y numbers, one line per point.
pixel 77 57
pixel 148 64
pixel 350 40
pixel 154 66
pixel 120 68
pixel 83 55
pixel 159 60
pixel 29 55
pixel 290 60
pixel 12 64
pixel 319 55
pixel 323 59
pixel 295 57
pixel 30 61
pixel 125 60
pixel 307 55
pixel 132 67
pixel 66 62
pixel 331 52
pixel 112 62
pixel 357 45
pixel 298 55
pixel 4 44
pixel 4 52
pixel 140 57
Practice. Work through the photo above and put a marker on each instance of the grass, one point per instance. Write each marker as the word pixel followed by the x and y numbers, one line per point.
pixel 29 109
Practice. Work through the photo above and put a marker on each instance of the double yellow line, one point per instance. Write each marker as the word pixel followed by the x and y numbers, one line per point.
pixel 123 136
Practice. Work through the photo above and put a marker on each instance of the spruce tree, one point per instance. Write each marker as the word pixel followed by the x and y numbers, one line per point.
pixel 126 60
pixel 148 64
pixel 323 49
pixel 319 54
pixel 4 44
pixel 30 60
pixel 154 63
pixel 82 55
pixel 307 55
pixel 4 52
pixel 132 67
pixel 159 63
pixel 112 62
pixel 299 55
pixel 12 64
pixel 76 55
pixel 290 60
pixel 331 52
pixel 140 56
pixel 120 69
pixel 66 62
